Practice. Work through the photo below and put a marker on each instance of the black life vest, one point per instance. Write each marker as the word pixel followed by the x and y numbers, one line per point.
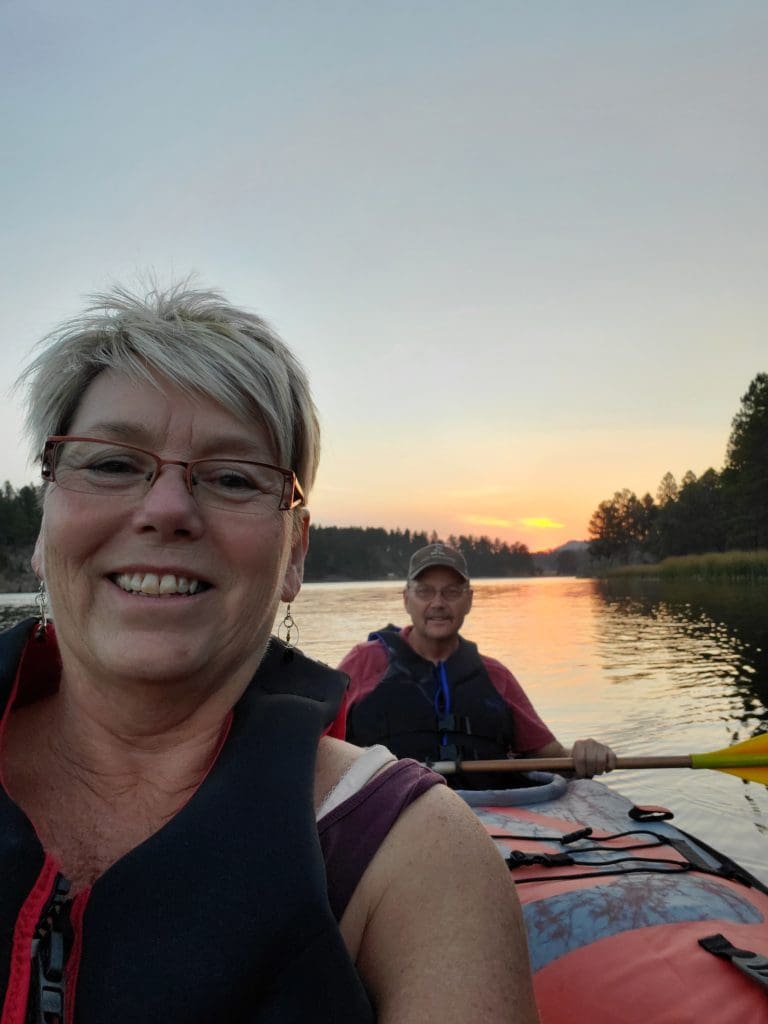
pixel 435 713
pixel 222 915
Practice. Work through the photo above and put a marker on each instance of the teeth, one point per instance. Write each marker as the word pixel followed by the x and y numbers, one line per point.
pixel 150 584
pixel 168 585
pixel 159 586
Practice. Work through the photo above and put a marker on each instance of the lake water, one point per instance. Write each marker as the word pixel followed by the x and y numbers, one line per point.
pixel 647 668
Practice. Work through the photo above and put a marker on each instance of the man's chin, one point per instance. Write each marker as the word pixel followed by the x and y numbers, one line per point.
pixel 441 627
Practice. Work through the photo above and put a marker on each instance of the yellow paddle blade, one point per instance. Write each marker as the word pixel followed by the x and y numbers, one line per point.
pixel 748 759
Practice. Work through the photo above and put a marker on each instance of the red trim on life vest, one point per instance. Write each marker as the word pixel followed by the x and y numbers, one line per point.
pixel 338 727
pixel 17 993
pixel 37 675
pixel 39 671
pixel 76 913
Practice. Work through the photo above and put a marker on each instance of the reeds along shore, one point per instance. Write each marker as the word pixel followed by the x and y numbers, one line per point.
pixel 718 566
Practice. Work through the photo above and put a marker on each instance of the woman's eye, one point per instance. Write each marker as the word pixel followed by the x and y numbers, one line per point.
pixel 226 479
pixel 114 467
pixel 234 482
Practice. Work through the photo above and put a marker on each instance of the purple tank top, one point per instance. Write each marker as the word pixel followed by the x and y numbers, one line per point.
pixel 351 833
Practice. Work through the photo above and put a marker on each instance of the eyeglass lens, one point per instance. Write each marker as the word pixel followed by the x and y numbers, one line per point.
pixel 427 593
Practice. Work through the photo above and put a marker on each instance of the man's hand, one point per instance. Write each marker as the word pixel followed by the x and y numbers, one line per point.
pixel 591 758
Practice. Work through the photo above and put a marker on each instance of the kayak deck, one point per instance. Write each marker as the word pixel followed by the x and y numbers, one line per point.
pixel 614 915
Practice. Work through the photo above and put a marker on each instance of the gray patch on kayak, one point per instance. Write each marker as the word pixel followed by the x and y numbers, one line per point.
pixel 559 924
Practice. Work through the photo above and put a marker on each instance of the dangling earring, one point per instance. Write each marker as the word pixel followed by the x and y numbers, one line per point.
pixel 41 600
pixel 288 624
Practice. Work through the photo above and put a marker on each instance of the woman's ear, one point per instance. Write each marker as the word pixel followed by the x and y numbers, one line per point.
pixel 37 560
pixel 294 570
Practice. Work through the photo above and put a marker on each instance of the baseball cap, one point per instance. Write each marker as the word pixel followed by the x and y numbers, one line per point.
pixel 437 554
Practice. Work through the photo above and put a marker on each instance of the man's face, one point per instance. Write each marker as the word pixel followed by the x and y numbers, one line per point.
pixel 437 601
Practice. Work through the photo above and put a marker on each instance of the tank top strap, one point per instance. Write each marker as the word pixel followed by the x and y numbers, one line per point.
pixel 354 830
pixel 355 777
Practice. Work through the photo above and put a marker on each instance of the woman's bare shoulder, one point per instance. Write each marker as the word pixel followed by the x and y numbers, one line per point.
pixel 443 939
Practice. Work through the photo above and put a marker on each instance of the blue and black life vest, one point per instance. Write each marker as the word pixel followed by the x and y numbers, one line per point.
pixel 445 712
pixel 222 915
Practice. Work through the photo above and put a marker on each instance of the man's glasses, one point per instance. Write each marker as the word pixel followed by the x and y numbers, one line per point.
pixel 425 592
pixel 92 466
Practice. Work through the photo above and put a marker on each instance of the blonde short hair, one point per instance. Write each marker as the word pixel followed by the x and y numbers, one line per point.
pixel 196 339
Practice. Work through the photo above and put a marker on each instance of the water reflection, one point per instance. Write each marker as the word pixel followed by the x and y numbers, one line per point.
pixel 697 659
pixel 713 639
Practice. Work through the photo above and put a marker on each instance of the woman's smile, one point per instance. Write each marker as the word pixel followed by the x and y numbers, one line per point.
pixel 159 584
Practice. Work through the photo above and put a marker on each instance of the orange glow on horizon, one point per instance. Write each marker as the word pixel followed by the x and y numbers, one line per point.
pixel 540 523
pixel 529 522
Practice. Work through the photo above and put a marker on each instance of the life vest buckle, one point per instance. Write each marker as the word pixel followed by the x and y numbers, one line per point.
pixel 454 723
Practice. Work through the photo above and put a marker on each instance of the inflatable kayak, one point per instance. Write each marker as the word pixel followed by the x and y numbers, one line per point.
pixel 630 920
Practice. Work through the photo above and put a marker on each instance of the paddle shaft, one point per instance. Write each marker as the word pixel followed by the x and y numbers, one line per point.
pixel 555 764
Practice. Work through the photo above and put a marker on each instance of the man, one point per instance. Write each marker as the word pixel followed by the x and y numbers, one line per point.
pixel 426 692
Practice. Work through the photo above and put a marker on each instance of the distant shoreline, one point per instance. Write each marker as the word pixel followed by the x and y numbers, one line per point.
pixel 716 567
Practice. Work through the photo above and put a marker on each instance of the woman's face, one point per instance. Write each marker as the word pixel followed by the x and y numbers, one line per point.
pixel 244 564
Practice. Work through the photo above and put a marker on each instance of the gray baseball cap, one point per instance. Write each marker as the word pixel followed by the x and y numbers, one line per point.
pixel 437 554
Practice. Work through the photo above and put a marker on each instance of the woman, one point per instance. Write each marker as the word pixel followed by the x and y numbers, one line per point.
pixel 165 762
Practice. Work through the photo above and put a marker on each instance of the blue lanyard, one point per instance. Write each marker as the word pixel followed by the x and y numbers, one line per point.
pixel 442 697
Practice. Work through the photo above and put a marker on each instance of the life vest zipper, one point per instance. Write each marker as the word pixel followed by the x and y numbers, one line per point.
pixel 50 948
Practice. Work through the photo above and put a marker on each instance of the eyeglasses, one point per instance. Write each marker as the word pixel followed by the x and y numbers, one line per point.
pixel 89 465
pixel 425 592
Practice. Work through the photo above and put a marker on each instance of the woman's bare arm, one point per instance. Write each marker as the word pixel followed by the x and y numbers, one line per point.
pixel 443 940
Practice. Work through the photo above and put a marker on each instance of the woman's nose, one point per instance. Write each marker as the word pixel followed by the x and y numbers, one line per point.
pixel 168 506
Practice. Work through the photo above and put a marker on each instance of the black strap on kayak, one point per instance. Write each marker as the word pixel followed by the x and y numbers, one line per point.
pixel 691 860
pixel 647 813
pixel 658 865
pixel 697 855
pixel 754 965
pixel 726 868
pixel 587 833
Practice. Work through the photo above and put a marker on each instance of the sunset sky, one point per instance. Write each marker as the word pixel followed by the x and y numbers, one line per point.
pixel 521 248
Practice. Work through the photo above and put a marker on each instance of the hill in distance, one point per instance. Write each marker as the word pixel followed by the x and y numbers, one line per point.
pixel 569 559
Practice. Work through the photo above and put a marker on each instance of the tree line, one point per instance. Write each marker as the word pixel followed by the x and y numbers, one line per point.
pixel 372 553
pixel 717 511
pixel 19 516
pixel 19 524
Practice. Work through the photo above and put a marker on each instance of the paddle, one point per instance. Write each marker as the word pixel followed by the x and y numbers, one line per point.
pixel 748 759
